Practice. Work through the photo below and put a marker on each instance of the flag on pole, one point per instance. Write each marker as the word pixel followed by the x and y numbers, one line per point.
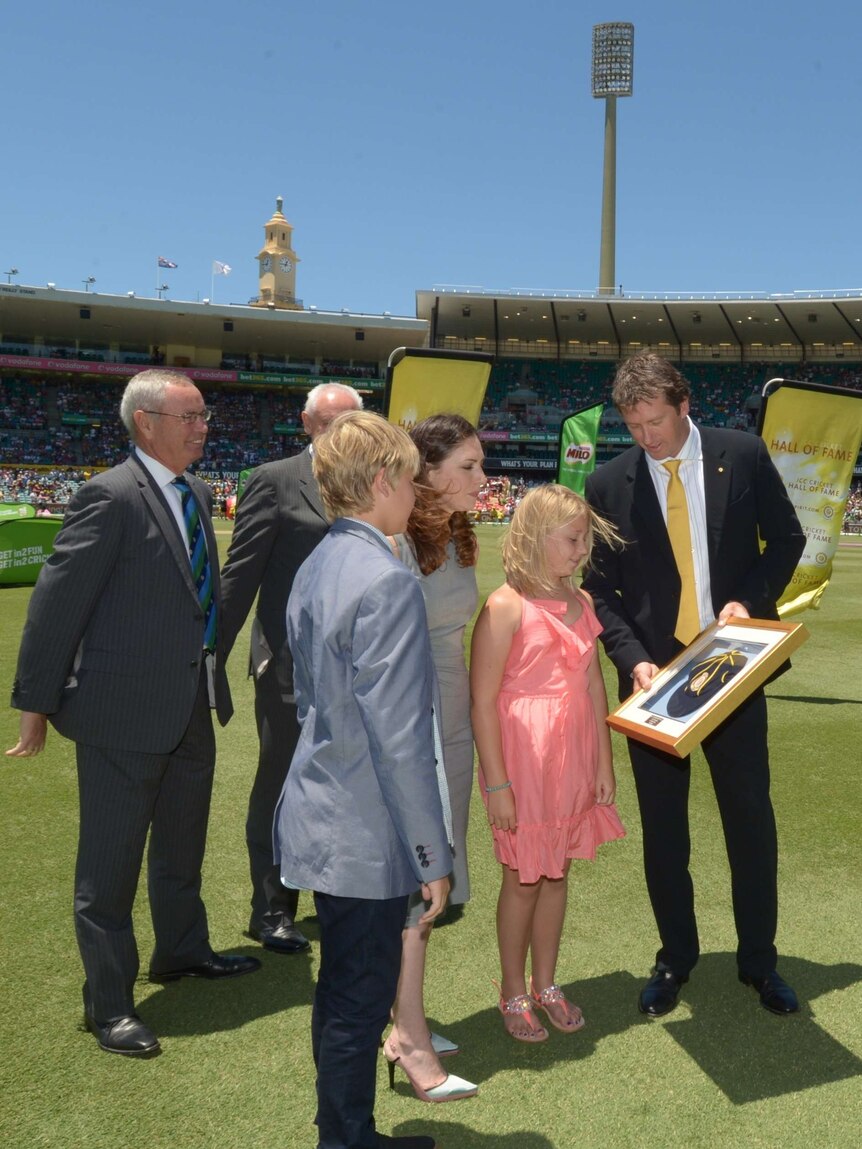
pixel 166 262
pixel 220 268
pixel 578 435
pixel 812 432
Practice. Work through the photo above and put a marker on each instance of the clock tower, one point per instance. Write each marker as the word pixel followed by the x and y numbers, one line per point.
pixel 278 263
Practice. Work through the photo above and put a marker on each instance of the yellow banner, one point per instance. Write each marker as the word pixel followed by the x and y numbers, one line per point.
pixel 422 384
pixel 813 435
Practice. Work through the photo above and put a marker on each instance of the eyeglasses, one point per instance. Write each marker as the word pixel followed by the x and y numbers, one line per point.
pixel 187 417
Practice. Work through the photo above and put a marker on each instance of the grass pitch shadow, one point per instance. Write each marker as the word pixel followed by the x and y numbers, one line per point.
pixel 195 1006
pixel 748 1053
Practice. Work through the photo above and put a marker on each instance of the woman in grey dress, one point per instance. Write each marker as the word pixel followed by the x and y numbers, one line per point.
pixel 441 547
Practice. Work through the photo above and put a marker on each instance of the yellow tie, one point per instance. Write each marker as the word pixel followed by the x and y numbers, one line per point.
pixel 688 619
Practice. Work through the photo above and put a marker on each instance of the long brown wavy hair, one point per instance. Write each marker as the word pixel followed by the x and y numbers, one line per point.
pixel 431 526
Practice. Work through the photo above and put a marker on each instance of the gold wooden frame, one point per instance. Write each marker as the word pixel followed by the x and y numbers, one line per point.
pixel 643 716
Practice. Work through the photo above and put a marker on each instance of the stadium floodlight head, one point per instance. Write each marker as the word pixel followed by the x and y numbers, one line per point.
pixel 613 66
pixel 613 59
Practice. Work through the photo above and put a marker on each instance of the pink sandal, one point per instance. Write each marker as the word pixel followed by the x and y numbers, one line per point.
pixel 565 1016
pixel 522 1006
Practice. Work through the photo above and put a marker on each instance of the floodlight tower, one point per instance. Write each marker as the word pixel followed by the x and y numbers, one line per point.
pixel 613 63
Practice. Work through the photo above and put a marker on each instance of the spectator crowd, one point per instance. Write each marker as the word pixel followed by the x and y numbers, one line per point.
pixel 72 428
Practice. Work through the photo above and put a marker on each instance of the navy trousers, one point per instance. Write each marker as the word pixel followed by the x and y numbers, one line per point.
pixel 739 764
pixel 360 960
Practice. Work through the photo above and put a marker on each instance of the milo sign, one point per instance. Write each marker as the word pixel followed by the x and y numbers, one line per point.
pixel 578 436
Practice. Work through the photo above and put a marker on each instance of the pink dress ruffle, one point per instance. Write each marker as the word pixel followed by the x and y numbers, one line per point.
pixel 550 745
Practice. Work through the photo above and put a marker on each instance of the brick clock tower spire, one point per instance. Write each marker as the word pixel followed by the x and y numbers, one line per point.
pixel 278 263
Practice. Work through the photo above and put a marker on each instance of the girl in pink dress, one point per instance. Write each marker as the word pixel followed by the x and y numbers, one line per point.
pixel 545 766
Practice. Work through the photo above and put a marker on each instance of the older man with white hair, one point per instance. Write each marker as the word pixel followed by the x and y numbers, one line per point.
pixel 280 519
pixel 123 653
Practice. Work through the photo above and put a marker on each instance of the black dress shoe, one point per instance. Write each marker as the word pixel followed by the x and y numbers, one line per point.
pixel 385 1142
pixel 219 965
pixel 281 937
pixel 659 995
pixel 775 994
pixel 126 1035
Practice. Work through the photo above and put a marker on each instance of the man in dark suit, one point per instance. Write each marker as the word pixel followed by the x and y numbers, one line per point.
pixel 122 651
pixel 279 521
pixel 652 597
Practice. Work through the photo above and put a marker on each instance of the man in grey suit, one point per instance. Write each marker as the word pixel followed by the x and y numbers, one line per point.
pixel 280 520
pixel 362 820
pixel 122 652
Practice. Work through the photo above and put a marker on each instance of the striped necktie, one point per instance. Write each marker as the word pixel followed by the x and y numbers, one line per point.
pixel 679 529
pixel 201 572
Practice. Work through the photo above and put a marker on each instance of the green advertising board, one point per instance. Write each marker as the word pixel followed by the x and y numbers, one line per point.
pixel 25 545
pixel 17 511
pixel 243 479
pixel 578 436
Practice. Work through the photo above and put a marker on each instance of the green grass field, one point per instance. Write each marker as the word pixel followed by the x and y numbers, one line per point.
pixel 236 1069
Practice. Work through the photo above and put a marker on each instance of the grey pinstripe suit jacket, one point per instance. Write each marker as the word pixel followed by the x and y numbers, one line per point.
pixel 113 642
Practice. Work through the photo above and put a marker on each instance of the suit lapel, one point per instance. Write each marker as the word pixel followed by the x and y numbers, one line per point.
pixel 166 522
pixel 717 473
pixel 308 486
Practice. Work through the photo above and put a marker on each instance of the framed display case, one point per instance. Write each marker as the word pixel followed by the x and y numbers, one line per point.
pixel 706 682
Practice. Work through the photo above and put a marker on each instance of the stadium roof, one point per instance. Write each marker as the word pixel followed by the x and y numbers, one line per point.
pixel 813 326
pixel 56 318
pixel 752 326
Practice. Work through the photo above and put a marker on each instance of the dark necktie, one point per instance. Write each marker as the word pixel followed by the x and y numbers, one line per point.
pixel 201 572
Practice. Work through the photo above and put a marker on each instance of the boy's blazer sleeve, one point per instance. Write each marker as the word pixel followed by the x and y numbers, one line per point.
pixel 393 691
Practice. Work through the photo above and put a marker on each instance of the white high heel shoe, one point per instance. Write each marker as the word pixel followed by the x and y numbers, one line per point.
pixel 442 1046
pixel 451 1089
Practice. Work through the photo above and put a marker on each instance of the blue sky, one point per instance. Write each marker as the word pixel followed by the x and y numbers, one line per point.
pixel 414 145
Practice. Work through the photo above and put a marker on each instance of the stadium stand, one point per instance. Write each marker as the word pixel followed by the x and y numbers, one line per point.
pixel 59 392
pixel 46 422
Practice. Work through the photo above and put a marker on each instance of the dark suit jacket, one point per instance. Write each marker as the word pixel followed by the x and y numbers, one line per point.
pixel 279 521
pixel 636 590
pixel 112 647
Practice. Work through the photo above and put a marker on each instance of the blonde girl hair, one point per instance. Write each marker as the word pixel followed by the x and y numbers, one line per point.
pixel 542 511
pixel 349 454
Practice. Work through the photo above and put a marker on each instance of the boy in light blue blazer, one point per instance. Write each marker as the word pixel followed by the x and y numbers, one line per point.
pixel 360 820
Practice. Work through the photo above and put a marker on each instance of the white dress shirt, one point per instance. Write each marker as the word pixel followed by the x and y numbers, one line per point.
pixel 164 479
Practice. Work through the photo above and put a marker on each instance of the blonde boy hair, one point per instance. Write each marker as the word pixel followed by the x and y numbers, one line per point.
pixel 349 454
pixel 542 511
